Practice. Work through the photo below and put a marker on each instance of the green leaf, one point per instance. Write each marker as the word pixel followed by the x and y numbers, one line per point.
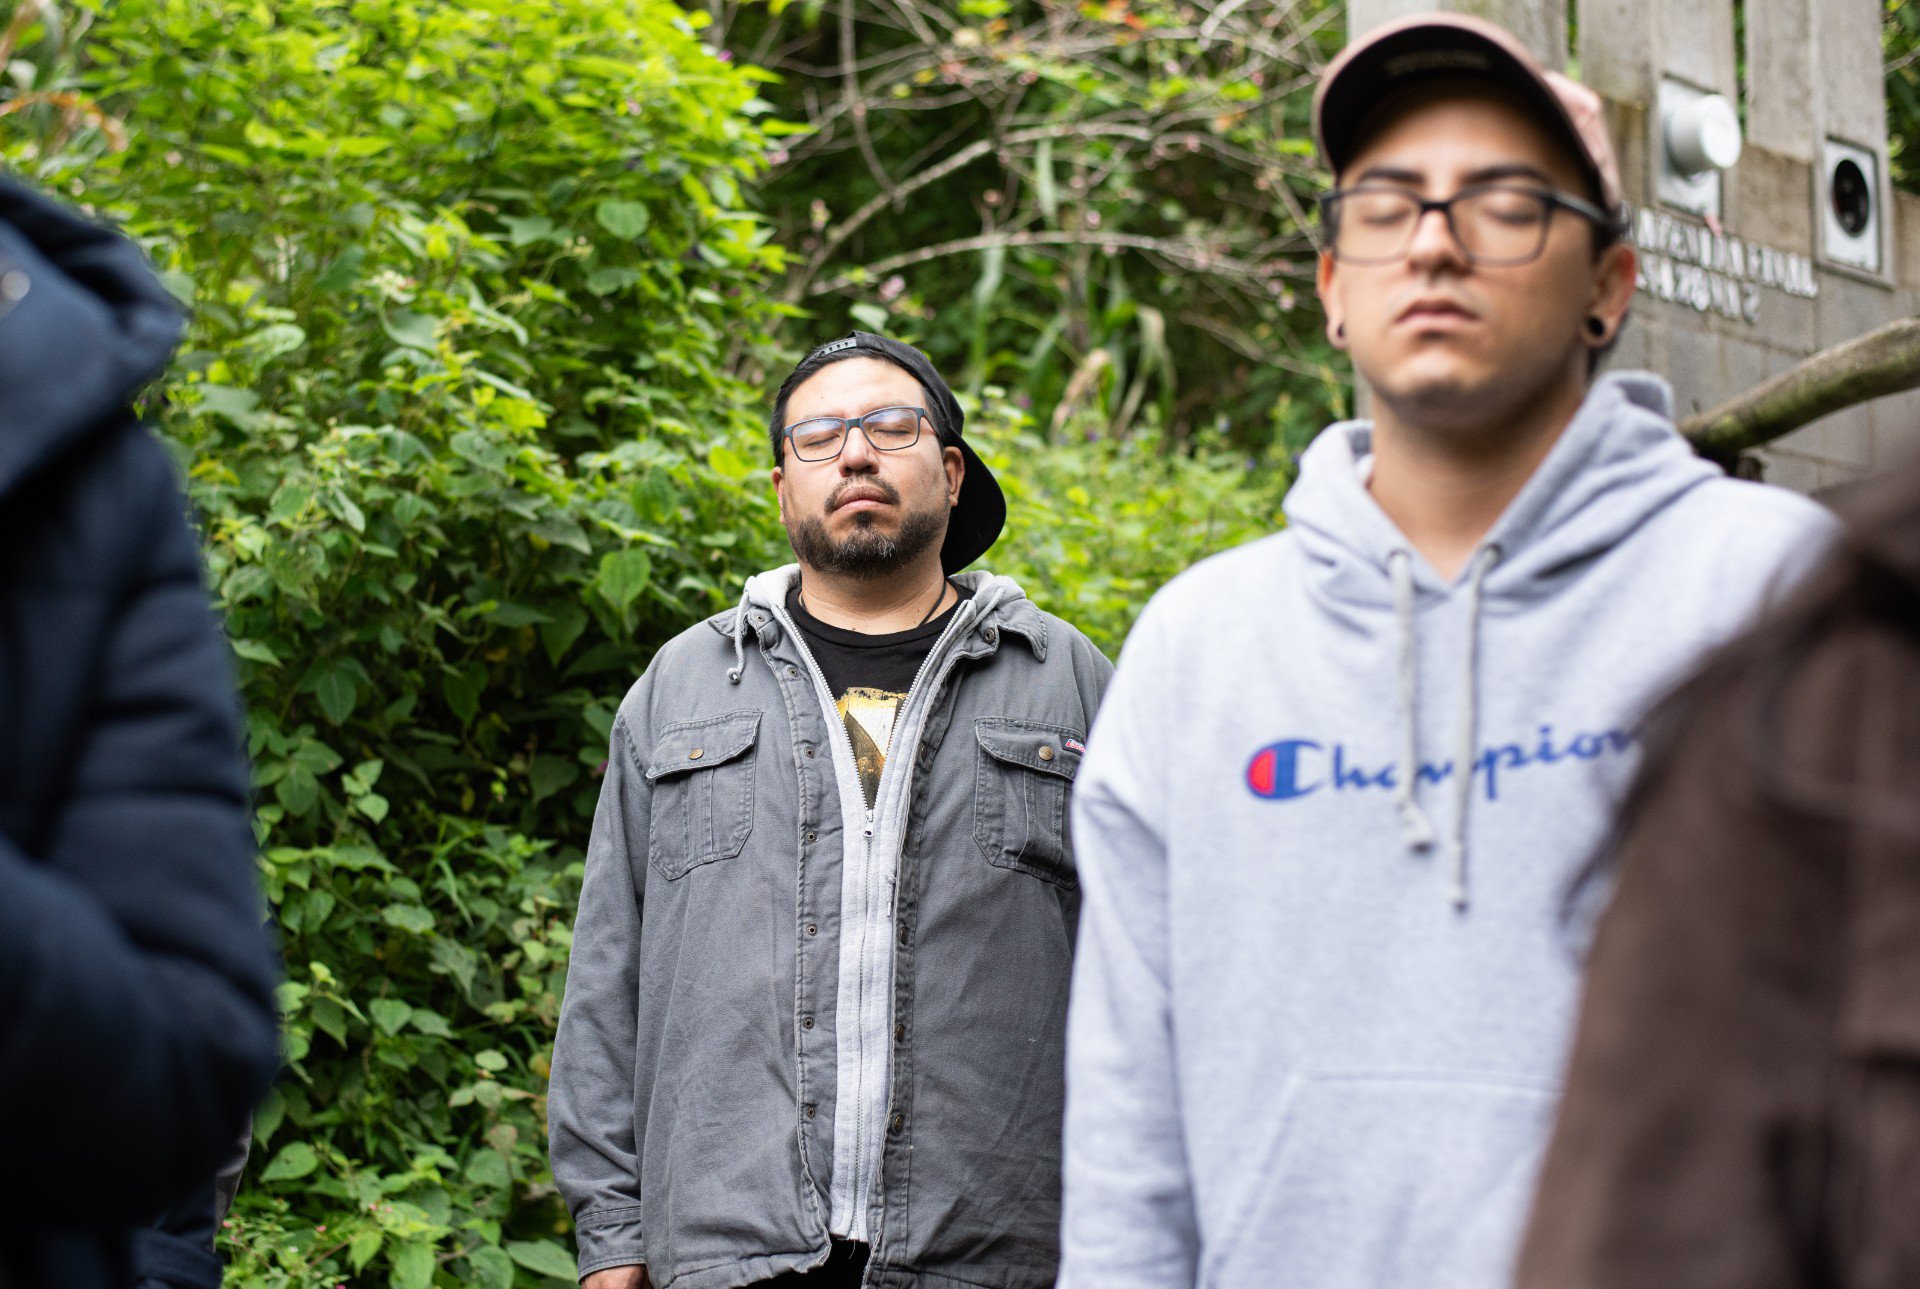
pixel 364 1246
pixel 551 774
pixel 492 1268
pixel 334 686
pixel 413 330
pixel 544 1257
pixel 372 805
pixel 390 1014
pixel 526 230
pixel 489 1168
pixel 408 917
pixel 412 1266
pixel 871 316
pixel 623 576
pixel 558 635
pixel 626 219
pixel 463 687
pixel 733 464
pixel 291 1164
pixel 237 406
pixel 254 651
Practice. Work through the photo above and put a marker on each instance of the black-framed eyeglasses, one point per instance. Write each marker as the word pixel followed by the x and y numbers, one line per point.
pixel 1493 224
pixel 888 429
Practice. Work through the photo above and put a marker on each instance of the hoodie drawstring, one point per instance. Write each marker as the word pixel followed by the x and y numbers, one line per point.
pixel 739 667
pixel 1416 829
pixel 1467 750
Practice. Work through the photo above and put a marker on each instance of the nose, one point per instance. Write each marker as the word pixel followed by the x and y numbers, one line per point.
pixel 857 455
pixel 1434 246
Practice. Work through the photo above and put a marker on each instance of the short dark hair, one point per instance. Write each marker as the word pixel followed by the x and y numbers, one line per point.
pixel 822 358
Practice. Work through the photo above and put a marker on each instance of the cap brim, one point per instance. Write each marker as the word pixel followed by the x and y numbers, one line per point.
pixel 974 523
pixel 1402 55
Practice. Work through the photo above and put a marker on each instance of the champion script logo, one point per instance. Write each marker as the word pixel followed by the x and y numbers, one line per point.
pixel 1297 767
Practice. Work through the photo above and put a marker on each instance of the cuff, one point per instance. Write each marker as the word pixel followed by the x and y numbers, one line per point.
pixel 609 1237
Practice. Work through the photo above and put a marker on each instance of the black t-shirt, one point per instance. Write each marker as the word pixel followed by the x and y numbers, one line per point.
pixel 869 677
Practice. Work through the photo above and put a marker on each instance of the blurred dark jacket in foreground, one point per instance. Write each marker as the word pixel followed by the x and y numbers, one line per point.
pixel 1743 1106
pixel 136 1014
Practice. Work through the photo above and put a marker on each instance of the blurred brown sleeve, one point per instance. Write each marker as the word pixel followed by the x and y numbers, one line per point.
pixel 1693 1140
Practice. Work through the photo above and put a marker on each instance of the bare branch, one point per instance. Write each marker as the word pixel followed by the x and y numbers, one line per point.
pixel 1884 361
pixel 1194 255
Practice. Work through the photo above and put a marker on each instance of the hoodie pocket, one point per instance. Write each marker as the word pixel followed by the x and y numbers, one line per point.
pixel 1388 1178
pixel 1025 774
pixel 702 777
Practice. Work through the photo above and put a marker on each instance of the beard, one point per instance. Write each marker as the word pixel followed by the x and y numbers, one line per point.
pixel 866 552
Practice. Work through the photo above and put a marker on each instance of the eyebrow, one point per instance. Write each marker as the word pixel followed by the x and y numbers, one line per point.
pixel 1486 174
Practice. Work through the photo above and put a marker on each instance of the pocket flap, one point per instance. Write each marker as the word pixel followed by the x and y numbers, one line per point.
pixel 699 745
pixel 1049 749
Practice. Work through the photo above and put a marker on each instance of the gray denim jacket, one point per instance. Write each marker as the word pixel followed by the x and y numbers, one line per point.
pixel 693 1096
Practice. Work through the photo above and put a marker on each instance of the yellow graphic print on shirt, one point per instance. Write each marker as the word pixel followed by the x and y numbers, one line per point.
pixel 869 714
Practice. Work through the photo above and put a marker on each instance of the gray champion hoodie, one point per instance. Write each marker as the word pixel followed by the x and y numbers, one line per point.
pixel 1326 825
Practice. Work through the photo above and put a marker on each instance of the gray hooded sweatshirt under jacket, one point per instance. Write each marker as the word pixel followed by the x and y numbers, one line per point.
pixel 1326 829
pixel 789 1017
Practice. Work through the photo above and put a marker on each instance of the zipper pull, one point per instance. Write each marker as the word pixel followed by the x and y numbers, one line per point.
pixel 868 830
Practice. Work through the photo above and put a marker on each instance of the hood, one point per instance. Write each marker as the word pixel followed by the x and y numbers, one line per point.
pixel 1617 464
pixel 997 604
pixel 84 325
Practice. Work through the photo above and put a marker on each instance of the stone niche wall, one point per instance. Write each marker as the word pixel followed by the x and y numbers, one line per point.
pixel 1727 302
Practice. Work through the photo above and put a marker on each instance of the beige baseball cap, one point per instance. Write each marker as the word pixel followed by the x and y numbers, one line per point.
pixel 1399 54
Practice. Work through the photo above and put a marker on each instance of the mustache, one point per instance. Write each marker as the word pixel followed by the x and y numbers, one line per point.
pixel 887 491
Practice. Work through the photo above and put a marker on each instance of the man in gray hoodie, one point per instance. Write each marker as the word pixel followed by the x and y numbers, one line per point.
pixel 1346 773
pixel 815 1018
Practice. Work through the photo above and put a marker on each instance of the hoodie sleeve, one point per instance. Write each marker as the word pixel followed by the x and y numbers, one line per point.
pixel 136 968
pixel 1128 1212
pixel 595 1151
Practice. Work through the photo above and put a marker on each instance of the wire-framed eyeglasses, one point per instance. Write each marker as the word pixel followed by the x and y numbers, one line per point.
pixel 1493 224
pixel 888 429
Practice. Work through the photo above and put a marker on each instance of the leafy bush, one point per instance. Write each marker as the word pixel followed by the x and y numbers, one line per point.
pixel 457 411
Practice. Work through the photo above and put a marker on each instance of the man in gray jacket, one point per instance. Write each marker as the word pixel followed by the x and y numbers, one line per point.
pixel 814 1023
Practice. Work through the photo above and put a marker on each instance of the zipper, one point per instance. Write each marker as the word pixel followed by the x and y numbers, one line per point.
pixel 941 648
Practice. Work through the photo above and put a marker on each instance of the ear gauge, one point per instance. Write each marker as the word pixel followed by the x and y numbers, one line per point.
pixel 1340 331
pixel 1596 327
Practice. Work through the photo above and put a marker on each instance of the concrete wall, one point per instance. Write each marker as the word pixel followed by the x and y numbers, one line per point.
pixel 1813 72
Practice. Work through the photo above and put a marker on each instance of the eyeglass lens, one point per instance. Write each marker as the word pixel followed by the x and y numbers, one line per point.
pixel 889 429
pixel 1492 225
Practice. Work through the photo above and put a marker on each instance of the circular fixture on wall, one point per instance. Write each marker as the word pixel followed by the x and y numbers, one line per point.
pixel 1702 135
pixel 1852 197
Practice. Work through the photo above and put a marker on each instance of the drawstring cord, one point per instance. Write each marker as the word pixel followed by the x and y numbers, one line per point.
pixel 1467 750
pixel 739 667
pixel 1416 830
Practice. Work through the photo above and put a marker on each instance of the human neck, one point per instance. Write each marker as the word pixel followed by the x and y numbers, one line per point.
pixel 879 605
pixel 1445 485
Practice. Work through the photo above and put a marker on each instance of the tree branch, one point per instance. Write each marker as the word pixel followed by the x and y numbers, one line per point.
pixel 1884 361
pixel 1193 255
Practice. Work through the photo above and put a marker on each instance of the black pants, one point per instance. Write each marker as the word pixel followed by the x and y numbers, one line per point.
pixel 845 1265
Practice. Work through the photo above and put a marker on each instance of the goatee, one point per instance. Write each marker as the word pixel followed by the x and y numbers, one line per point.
pixel 866 552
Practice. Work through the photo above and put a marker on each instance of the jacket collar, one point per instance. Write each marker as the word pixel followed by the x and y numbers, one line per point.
pixel 999 606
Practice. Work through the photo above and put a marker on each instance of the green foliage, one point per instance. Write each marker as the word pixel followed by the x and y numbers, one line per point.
pixel 1900 42
pixel 470 283
pixel 1100 206
pixel 456 414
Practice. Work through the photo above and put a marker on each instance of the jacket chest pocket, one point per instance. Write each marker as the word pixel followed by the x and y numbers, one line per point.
pixel 1024 778
pixel 702 777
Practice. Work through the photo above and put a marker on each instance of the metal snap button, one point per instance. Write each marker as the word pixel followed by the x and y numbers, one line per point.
pixel 806 1022
pixel 898 1124
pixel 696 754
pixel 1046 753
pixel 903 933
pixel 812 929
pixel 808 1110
pixel 813 836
